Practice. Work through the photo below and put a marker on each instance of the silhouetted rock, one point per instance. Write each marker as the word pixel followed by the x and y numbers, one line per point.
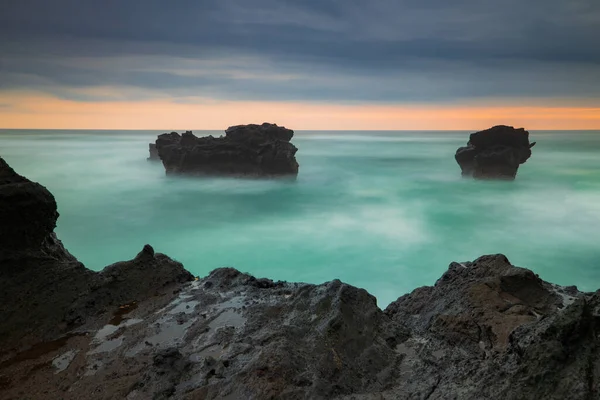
pixel 27 212
pixel 245 150
pixel 44 289
pixel 139 330
pixel 495 153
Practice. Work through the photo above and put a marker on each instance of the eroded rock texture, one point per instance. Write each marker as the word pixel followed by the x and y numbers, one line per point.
pixel 495 153
pixel 245 150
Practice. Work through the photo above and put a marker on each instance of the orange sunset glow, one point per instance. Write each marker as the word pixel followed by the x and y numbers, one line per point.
pixel 46 112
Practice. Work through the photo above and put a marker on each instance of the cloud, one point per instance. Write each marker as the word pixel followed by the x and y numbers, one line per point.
pixel 254 78
pixel 325 50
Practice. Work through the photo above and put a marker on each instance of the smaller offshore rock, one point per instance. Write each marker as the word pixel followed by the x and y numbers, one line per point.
pixel 153 152
pixel 495 153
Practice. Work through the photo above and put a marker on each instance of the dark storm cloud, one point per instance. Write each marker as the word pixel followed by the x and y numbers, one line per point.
pixel 367 50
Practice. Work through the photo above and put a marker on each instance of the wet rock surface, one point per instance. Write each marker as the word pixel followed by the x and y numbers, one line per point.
pixel 140 330
pixel 245 150
pixel 495 153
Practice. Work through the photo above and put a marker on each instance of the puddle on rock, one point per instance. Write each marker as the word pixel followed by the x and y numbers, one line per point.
pixel 63 361
pixel 228 318
pixel 214 351
pixel 234 302
pixel 186 307
pixel 121 312
pixel 170 333
pixel 181 298
pixel 39 350
pixel 110 329
pixel 105 332
pixel 107 346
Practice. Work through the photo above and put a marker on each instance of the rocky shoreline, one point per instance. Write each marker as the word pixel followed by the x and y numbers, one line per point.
pixel 147 329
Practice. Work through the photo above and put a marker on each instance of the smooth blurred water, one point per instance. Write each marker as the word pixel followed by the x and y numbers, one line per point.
pixel 386 211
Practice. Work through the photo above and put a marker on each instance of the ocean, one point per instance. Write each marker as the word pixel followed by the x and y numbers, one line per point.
pixel 385 211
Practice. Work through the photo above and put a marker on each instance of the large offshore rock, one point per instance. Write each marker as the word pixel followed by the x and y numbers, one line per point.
pixel 495 153
pixel 245 150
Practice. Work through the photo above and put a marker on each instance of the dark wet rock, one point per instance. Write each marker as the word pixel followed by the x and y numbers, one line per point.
pixel 495 331
pixel 27 212
pixel 264 283
pixel 169 359
pixel 39 277
pixel 150 270
pixel 45 291
pixel 167 139
pixel 485 330
pixel 495 153
pixel 153 152
pixel 245 150
pixel 147 275
pixel 161 379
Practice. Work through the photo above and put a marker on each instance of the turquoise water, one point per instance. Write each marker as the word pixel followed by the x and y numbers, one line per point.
pixel 386 211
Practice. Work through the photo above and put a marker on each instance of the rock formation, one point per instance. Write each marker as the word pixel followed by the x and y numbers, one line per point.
pixel 153 152
pixel 245 150
pixel 140 330
pixel 45 290
pixel 495 153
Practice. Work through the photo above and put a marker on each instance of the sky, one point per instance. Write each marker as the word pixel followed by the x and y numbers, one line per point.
pixel 310 64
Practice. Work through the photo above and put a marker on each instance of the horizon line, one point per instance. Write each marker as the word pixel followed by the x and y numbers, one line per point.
pixel 295 130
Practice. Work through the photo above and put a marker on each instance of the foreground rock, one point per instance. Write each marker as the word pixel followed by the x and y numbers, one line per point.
pixel 45 291
pixel 485 330
pixel 245 150
pixel 495 153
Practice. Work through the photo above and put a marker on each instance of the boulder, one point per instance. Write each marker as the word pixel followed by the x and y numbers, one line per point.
pixel 491 330
pixel 494 153
pixel 245 150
